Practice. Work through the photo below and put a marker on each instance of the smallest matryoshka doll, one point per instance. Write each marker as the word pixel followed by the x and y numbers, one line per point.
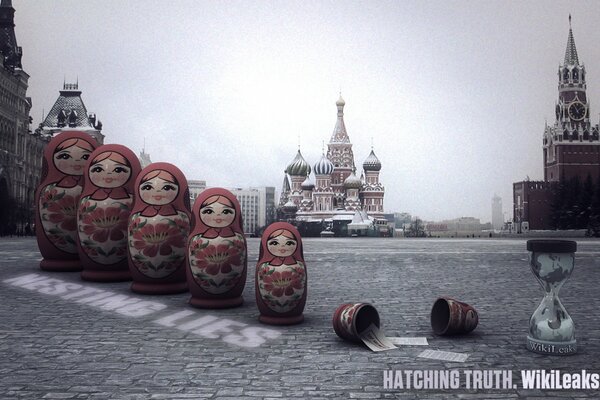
pixel 103 213
pixel 281 276
pixel 217 263
pixel 57 198
pixel 158 229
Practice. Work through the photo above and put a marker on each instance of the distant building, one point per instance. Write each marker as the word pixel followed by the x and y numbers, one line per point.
pixel 571 147
pixel 69 113
pixel 196 187
pixel 258 207
pixel 497 215
pixel 402 220
pixel 458 227
pixel 144 158
pixel 21 152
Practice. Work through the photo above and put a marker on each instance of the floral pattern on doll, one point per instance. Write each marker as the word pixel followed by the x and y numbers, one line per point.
pixel 282 280
pixel 157 234
pixel 217 255
pixel 58 201
pixel 104 214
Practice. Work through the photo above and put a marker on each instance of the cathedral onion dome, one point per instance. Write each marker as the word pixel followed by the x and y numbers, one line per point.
pixel 372 163
pixel 307 184
pixel 290 206
pixel 324 166
pixel 298 166
pixel 352 182
pixel 340 102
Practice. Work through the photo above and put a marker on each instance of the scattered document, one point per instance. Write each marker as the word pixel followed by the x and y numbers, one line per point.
pixel 409 341
pixel 444 355
pixel 375 339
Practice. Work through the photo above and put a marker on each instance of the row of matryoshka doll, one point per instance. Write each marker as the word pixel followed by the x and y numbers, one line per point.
pixel 97 213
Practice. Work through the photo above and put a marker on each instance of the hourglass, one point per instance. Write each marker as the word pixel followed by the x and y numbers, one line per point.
pixel 551 329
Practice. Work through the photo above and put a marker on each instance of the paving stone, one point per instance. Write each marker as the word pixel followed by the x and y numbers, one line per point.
pixel 59 348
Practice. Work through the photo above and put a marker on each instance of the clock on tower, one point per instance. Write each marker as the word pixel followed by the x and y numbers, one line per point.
pixel 577 111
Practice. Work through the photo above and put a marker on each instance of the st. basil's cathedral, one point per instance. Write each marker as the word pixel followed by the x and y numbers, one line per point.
pixel 336 201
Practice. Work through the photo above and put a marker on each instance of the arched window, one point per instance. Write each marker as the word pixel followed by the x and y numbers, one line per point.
pixel 575 73
pixel 565 74
pixel 586 135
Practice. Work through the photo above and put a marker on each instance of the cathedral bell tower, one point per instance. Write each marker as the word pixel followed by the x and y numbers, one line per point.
pixel 571 145
pixel 339 152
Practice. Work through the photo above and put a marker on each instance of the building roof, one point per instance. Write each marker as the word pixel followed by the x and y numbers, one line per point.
pixel 339 134
pixel 324 166
pixel 298 166
pixel 285 187
pixel 69 110
pixel 359 222
pixel 571 51
pixel 372 163
pixel 307 184
pixel 352 182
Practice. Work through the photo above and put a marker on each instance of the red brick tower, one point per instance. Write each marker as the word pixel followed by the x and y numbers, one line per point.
pixel 571 144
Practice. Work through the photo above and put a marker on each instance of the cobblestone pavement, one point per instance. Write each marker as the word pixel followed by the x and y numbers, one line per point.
pixel 61 348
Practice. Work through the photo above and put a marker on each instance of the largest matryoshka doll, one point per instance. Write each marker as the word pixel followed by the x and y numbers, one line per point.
pixel 158 229
pixel 281 276
pixel 57 198
pixel 217 262
pixel 103 213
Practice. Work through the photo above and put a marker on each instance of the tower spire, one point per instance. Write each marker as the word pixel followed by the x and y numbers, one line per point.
pixel 571 51
pixel 339 134
pixel 9 49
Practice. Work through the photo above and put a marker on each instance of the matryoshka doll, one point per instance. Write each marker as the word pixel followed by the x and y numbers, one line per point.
pixel 281 276
pixel 217 262
pixel 57 198
pixel 158 229
pixel 103 213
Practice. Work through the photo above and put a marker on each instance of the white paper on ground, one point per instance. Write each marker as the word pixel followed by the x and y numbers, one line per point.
pixel 444 355
pixel 409 341
pixel 375 339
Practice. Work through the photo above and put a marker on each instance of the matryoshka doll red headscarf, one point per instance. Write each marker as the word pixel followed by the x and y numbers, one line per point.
pixel 57 197
pixel 103 213
pixel 217 261
pixel 158 229
pixel 281 275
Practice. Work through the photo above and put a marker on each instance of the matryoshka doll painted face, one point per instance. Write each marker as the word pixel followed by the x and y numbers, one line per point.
pixel 104 211
pixel 109 170
pixel 281 276
pixel 217 212
pixel 71 156
pixel 159 188
pixel 217 253
pixel 282 243
pixel 158 230
pixel 57 199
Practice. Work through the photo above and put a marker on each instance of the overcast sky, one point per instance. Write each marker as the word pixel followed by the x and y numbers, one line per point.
pixel 454 94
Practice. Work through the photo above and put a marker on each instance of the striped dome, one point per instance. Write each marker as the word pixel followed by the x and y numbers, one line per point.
pixel 323 166
pixel 372 163
pixel 298 166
